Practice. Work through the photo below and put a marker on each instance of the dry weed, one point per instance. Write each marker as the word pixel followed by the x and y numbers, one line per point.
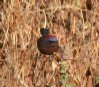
pixel 76 25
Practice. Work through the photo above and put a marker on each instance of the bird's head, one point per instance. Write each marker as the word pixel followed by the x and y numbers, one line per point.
pixel 44 31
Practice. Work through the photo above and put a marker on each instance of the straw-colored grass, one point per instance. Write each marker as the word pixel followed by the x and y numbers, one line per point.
pixel 76 25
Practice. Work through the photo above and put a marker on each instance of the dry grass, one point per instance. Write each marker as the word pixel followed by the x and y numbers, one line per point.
pixel 76 25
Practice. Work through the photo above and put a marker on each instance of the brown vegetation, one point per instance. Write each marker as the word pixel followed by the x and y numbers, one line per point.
pixel 76 25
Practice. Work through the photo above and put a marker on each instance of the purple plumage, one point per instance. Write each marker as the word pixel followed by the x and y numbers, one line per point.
pixel 52 39
pixel 47 44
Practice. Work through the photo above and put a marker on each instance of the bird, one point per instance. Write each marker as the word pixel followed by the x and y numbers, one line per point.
pixel 47 44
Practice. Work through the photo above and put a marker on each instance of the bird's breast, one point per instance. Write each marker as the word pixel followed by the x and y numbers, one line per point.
pixel 47 45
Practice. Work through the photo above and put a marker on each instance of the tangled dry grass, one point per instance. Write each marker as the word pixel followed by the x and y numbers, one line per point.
pixel 76 25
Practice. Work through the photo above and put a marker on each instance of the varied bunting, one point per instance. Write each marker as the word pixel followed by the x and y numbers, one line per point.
pixel 47 43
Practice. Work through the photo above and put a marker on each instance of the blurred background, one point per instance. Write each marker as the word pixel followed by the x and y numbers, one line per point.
pixel 75 23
